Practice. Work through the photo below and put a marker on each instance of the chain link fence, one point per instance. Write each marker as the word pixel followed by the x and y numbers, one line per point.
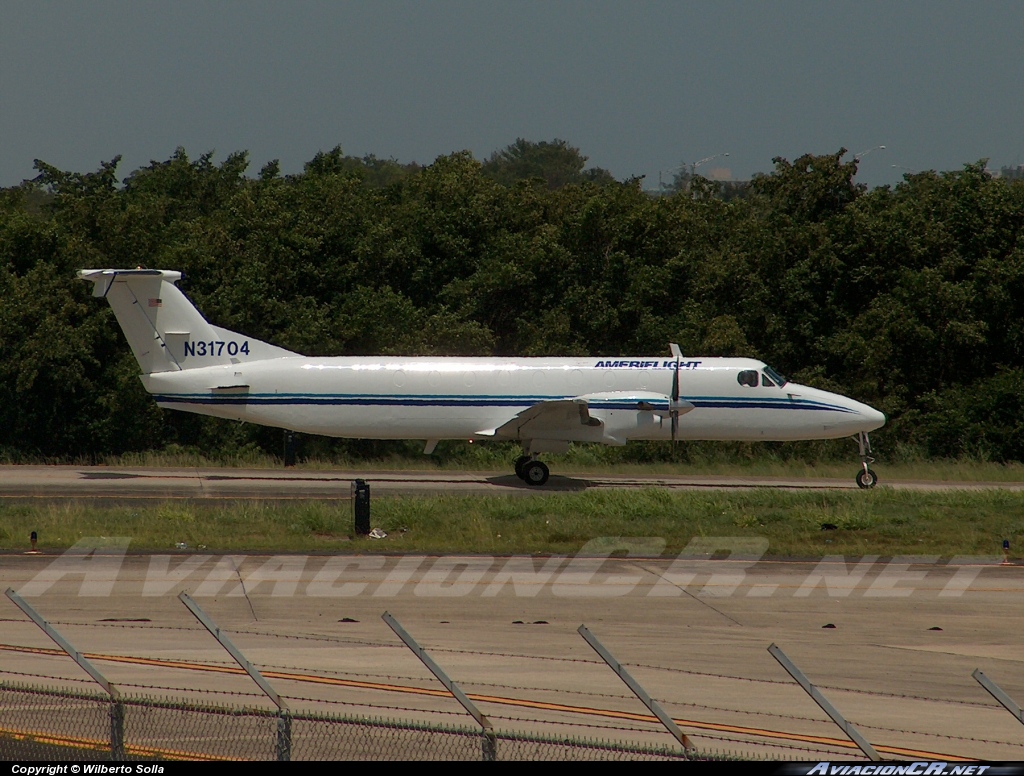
pixel 55 724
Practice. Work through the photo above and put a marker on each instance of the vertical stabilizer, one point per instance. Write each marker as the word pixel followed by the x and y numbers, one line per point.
pixel 164 329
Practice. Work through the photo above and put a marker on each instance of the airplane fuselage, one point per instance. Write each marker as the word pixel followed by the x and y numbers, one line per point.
pixel 469 398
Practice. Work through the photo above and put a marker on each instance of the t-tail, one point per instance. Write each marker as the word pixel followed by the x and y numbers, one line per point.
pixel 164 329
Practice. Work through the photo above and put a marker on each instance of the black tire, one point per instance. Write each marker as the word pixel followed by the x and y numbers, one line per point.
pixel 521 461
pixel 866 479
pixel 535 473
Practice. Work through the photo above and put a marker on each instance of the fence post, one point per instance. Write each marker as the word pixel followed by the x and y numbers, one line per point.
pixel 637 688
pixel 489 742
pixel 823 702
pixel 284 718
pixel 117 730
pixel 490 746
pixel 996 692
pixel 116 709
pixel 284 736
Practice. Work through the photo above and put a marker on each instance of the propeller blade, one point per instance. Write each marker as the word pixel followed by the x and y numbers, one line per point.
pixel 675 401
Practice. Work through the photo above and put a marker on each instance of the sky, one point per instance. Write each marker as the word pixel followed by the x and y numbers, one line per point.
pixel 641 88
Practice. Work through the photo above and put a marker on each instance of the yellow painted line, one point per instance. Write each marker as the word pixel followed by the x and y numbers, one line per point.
pixel 499 700
pixel 718 727
pixel 53 740
pixel 98 745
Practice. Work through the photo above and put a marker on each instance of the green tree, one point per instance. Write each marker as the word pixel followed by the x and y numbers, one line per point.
pixel 556 163
pixel 910 298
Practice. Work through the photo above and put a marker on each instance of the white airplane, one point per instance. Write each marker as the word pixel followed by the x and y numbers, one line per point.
pixel 542 403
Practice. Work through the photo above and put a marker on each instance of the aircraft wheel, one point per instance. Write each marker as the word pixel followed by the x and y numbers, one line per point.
pixel 521 461
pixel 535 473
pixel 866 479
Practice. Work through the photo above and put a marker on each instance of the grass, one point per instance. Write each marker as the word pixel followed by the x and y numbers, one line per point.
pixel 880 522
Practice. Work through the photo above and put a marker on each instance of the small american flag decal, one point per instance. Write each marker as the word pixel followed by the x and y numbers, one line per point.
pixel 156 302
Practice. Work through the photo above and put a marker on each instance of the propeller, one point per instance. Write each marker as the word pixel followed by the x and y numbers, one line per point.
pixel 673 405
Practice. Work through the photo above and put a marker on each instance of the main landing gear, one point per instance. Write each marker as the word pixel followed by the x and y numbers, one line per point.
pixel 531 471
pixel 865 478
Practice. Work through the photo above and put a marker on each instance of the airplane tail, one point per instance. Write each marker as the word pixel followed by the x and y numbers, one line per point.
pixel 165 330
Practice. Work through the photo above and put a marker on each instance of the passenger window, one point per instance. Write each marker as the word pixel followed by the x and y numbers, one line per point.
pixel 766 382
pixel 747 377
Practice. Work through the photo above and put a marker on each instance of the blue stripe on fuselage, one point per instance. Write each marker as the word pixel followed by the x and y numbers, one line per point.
pixel 298 399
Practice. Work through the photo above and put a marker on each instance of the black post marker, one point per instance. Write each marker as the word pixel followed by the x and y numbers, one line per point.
pixel 361 506
pixel 33 539
pixel 289 448
pixel 1006 552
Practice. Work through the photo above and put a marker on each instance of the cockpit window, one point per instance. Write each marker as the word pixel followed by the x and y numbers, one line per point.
pixel 776 378
pixel 766 381
pixel 747 377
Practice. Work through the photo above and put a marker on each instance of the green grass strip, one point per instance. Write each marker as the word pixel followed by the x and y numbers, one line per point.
pixel 883 522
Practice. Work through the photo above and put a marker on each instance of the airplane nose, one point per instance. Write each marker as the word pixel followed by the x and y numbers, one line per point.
pixel 872 418
pixel 853 417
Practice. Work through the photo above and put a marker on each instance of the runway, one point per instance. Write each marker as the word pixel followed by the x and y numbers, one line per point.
pixel 101 482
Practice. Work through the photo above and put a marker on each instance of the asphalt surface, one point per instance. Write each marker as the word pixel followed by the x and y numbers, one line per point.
pixel 99 482
pixel 891 644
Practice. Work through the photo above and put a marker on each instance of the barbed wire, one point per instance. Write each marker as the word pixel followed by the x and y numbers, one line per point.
pixel 537 719
pixel 654 728
pixel 837 688
pixel 927 734
pixel 775 715
pixel 469 686
pixel 377 644
pixel 908 696
pixel 190 690
pixel 37 675
pixel 353 704
pixel 510 718
pixel 203 727
pixel 866 726
pixel 547 658
pixel 552 658
pixel 671 669
pixel 671 702
pixel 126 622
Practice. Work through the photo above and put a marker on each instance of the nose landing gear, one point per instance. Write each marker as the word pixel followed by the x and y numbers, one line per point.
pixel 866 478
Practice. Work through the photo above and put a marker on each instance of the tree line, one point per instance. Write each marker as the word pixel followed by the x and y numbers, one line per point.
pixel 909 298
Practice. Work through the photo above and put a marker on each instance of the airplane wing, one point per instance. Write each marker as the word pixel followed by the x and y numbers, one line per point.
pixel 552 419
pixel 546 419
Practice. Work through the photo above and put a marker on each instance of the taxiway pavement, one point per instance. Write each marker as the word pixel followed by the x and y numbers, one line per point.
pixel 101 482
pixel 891 643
